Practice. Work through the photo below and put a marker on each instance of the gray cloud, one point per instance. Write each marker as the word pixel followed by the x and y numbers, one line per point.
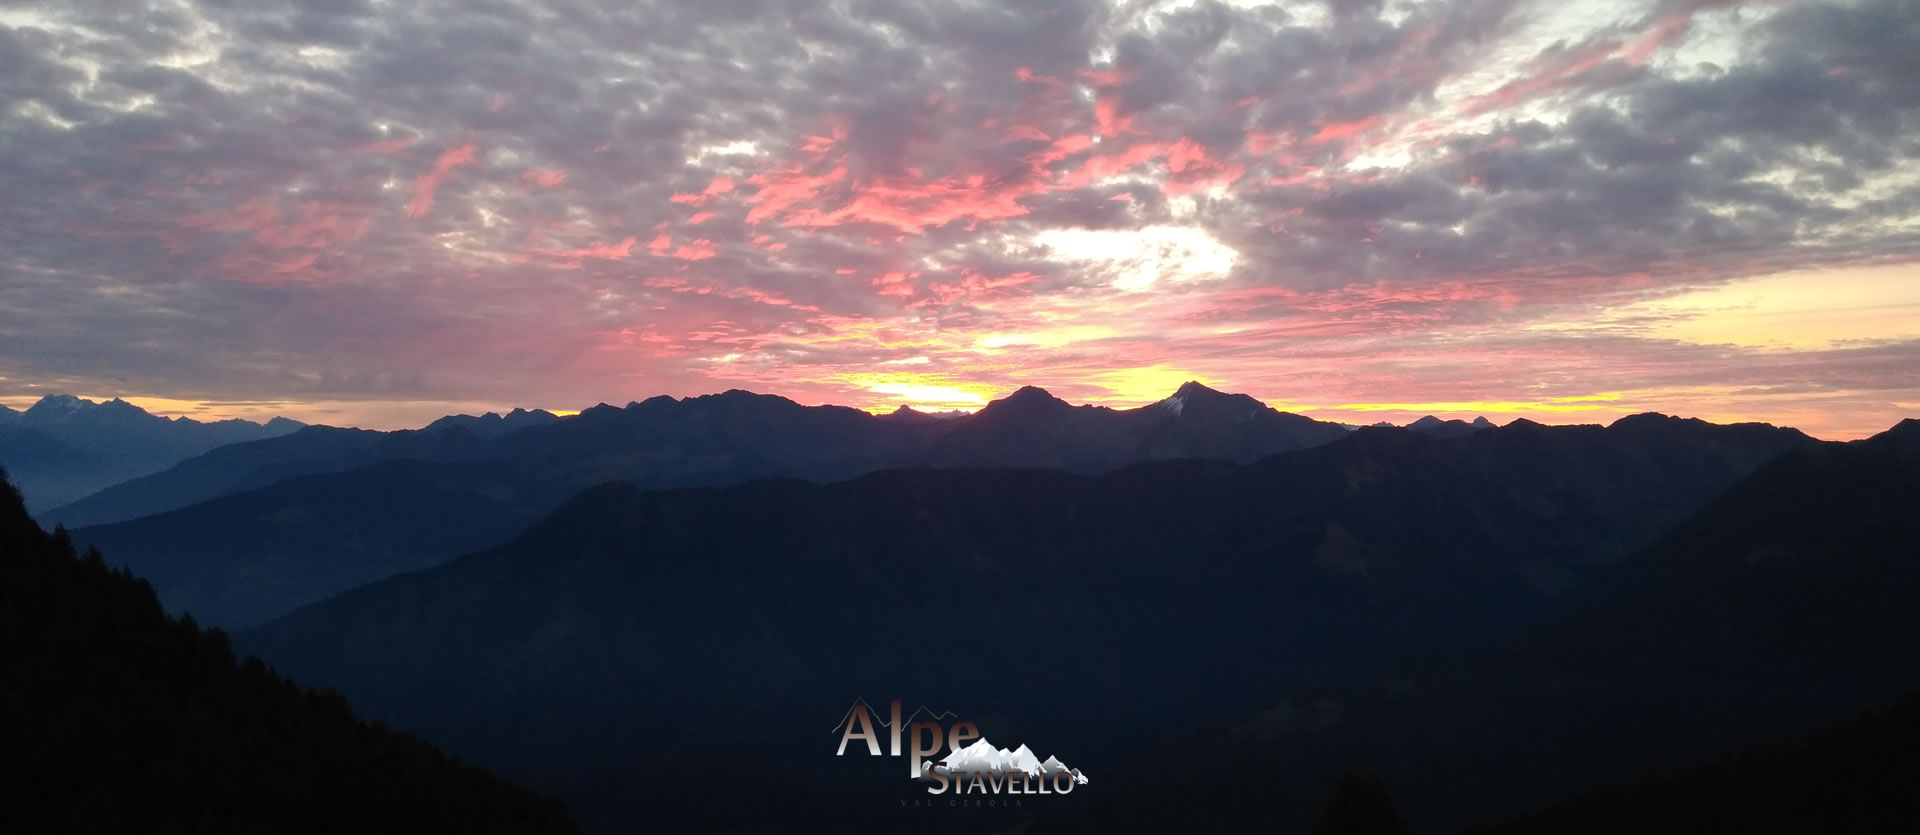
pixel 238 193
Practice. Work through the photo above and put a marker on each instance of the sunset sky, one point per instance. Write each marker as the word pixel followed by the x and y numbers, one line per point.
pixel 375 212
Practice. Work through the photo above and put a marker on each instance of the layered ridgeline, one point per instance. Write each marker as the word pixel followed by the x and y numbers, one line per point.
pixel 254 530
pixel 65 447
pixel 117 718
pixel 635 637
pixel 1783 605
pixel 727 438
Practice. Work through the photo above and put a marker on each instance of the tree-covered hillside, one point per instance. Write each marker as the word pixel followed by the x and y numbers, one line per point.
pixel 117 718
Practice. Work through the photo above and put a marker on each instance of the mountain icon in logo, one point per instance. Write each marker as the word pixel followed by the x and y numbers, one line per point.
pixel 982 758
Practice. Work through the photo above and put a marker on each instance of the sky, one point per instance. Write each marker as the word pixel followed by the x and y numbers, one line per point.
pixel 372 212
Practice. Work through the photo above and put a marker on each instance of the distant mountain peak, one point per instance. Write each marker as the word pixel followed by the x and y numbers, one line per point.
pixel 492 424
pixel 1654 419
pixel 55 408
pixel 1195 388
pixel 1902 438
pixel 1035 393
pixel 1027 398
pixel 904 412
pixel 54 404
pixel 1448 428
pixel 1196 395
pixel 738 396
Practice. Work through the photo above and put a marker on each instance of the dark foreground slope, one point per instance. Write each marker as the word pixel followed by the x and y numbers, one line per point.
pixel 1857 777
pixel 1782 606
pixel 636 637
pixel 115 718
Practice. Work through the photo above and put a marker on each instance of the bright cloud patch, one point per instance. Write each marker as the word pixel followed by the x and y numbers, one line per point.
pixel 1344 207
pixel 1141 259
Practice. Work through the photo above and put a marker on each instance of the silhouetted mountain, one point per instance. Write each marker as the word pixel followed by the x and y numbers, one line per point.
pixel 1855 777
pixel 120 719
pixel 1031 428
pixel 647 631
pixel 908 413
pixel 65 447
pixel 46 466
pixel 734 436
pixel 1782 605
pixel 702 441
pixel 1198 422
pixel 228 469
pixel 1438 428
pixel 493 424
pixel 239 560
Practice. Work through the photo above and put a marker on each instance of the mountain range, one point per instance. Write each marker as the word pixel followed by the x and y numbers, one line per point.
pixel 1173 589
pixel 256 529
pixel 64 447
pixel 1211 605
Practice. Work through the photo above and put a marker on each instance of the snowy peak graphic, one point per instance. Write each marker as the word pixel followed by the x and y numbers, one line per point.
pixel 982 757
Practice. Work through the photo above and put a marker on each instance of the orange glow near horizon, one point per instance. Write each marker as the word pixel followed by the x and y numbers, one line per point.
pixel 1491 209
pixel 883 393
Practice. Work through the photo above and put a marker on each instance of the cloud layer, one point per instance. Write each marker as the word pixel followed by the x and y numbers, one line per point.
pixel 366 208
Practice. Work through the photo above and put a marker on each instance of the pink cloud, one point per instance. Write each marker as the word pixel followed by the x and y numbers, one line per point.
pixel 622 249
pixel 698 250
pixel 1342 131
pixel 425 186
pixel 384 146
pixel 545 177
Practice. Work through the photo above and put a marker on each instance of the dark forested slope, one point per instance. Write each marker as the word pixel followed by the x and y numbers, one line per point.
pixel 116 718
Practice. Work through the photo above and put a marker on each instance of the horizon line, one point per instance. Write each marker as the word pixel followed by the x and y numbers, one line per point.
pixel 1348 414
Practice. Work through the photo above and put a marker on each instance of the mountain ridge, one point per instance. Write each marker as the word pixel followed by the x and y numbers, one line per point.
pixel 1386 543
pixel 104 443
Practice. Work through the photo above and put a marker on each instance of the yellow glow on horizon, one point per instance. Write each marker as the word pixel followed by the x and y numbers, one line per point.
pixel 1147 384
pixel 166 406
pixel 924 392
pixel 1810 309
pixel 1583 403
pixel 1047 337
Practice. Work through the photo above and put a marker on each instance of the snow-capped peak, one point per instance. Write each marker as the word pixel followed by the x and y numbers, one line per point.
pixel 981 756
